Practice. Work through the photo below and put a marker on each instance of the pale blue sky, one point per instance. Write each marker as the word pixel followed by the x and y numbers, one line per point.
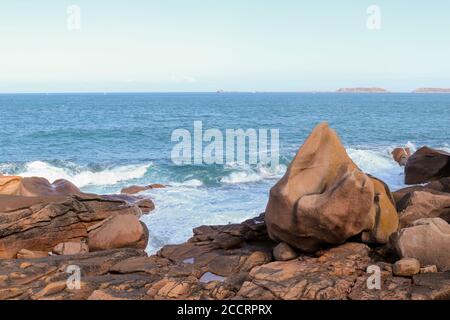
pixel 206 45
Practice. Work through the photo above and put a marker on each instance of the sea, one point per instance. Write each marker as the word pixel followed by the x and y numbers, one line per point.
pixel 103 142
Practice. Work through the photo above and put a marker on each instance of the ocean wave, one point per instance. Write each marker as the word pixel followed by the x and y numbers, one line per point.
pixel 248 174
pixel 372 161
pixel 194 183
pixel 380 164
pixel 83 177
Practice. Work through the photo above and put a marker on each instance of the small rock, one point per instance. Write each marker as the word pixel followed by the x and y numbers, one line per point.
pixel 429 269
pixel 137 189
pixel 50 289
pixel 25 265
pixel 226 241
pixel 70 248
pixel 257 258
pixel 121 231
pixel 283 252
pixel 28 254
pixel 101 295
pixel 401 155
pixel 406 267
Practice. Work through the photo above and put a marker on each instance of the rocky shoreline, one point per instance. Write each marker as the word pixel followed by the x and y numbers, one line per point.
pixel 329 231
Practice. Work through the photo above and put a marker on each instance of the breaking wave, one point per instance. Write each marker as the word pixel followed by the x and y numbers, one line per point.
pixel 81 177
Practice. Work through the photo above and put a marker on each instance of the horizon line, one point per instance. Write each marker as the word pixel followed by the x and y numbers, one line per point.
pixel 225 92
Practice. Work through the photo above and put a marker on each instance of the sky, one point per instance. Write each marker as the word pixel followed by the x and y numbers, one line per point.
pixel 231 45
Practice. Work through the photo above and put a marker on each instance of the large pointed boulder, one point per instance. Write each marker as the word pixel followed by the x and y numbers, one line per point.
pixel 324 198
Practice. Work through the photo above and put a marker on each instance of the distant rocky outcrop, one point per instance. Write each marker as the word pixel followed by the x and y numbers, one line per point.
pixel 362 90
pixel 432 90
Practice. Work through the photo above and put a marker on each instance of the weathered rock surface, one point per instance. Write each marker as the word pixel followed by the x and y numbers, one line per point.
pixel 40 223
pixel 435 187
pixel 145 204
pixel 284 252
pixel 401 155
pixel 420 204
pixel 406 267
pixel 71 248
pixel 137 189
pixel 426 240
pixel 200 269
pixel 119 231
pixel 429 269
pixel 325 199
pixel 35 187
pixel 28 254
pixel 426 165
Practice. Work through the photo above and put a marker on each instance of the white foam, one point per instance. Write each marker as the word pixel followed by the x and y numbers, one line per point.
pixel 241 177
pixel 180 208
pixel 412 147
pixel 380 164
pixel 371 161
pixel 193 183
pixel 84 177
pixel 247 175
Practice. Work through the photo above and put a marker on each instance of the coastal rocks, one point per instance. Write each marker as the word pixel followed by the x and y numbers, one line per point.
pixel 40 223
pixel 120 231
pixel 431 286
pixel 71 248
pixel 145 204
pixel 401 155
pixel 331 275
pixel 46 278
pixel 406 267
pixel 325 199
pixel 203 253
pixel 429 269
pixel 28 254
pixel 426 240
pixel 34 187
pixel 283 252
pixel 421 204
pixel 199 269
pixel 441 185
pixel 435 187
pixel 137 189
pixel 427 164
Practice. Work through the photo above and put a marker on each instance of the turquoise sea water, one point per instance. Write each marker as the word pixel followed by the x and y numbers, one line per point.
pixel 105 142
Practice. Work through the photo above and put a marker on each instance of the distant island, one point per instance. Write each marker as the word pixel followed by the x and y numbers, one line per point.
pixel 432 90
pixel 362 90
